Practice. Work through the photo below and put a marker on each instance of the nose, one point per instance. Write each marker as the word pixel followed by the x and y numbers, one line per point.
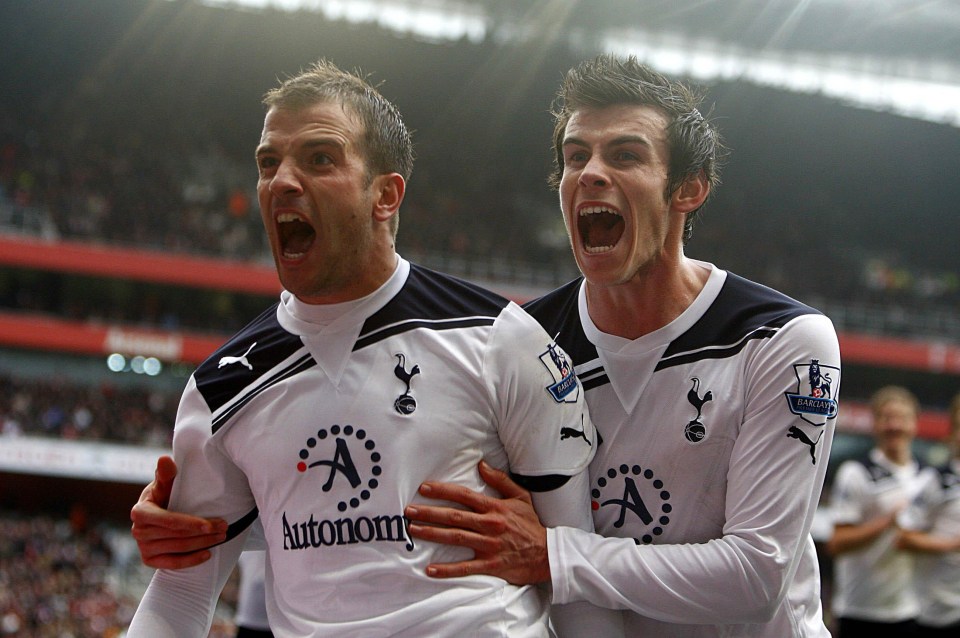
pixel 594 174
pixel 286 180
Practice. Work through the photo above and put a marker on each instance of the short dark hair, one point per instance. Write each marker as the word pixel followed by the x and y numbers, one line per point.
pixel 608 80
pixel 386 141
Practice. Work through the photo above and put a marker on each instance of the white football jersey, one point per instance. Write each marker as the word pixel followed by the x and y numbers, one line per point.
pixel 326 430
pixel 936 511
pixel 251 593
pixel 714 432
pixel 875 582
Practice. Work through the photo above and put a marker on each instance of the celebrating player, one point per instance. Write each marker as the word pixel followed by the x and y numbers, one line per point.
pixel 323 416
pixel 714 397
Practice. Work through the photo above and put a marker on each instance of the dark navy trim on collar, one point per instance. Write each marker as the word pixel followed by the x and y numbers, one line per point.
pixel 434 301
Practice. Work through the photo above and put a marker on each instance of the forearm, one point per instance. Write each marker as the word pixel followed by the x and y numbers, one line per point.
pixel 721 581
pixel 170 611
pixel 848 538
pixel 575 620
pixel 928 543
pixel 181 603
pixel 569 506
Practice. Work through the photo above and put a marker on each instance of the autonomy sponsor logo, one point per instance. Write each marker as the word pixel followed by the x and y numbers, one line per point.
pixel 636 499
pixel 350 467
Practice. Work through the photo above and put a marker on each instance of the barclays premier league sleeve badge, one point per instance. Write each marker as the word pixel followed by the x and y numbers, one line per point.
pixel 817 385
pixel 565 388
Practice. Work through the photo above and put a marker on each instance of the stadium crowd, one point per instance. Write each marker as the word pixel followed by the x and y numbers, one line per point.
pixel 122 194
pixel 53 580
pixel 60 578
pixel 66 409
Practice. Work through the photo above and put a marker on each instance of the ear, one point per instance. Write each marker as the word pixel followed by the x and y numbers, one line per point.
pixel 389 189
pixel 691 194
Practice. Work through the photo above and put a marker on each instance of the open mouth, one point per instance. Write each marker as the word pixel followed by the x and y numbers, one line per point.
pixel 600 228
pixel 296 236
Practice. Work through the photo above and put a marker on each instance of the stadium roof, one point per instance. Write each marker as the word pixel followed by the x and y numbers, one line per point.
pixel 891 55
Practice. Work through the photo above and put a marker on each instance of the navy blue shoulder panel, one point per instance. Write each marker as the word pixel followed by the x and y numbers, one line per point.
pixel 874 469
pixel 948 478
pixel 558 312
pixel 433 300
pixel 878 471
pixel 744 310
pixel 245 357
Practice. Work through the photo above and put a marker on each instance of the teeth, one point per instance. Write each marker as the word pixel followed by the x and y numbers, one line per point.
pixel 593 210
pixel 287 217
pixel 600 235
pixel 593 250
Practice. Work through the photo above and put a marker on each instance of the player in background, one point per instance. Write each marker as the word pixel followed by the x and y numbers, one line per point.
pixel 874 590
pixel 931 530
pixel 714 397
pixel 251 615
pixel 320 419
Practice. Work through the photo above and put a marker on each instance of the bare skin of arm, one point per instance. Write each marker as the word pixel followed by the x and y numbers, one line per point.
pixel 848 538
pixel 927 543
pixel 505 533
pixel 170 540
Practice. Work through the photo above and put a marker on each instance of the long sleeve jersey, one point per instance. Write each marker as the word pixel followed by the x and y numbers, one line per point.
pixel 324 426
pixel 715 432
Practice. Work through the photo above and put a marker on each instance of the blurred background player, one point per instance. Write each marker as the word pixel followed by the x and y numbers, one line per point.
pixel 251 616
pixel 874 590
pixel 932 530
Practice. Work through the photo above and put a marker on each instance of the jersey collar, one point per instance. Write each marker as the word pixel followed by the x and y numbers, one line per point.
pixel 629 364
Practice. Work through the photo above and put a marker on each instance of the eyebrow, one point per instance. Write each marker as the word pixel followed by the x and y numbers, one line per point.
pixel 617 141
pixel 266 149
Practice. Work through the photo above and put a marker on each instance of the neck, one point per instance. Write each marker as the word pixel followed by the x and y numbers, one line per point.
pixel 646 303
pixel 898 455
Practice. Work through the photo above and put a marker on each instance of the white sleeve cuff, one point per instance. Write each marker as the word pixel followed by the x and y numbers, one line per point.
pixel 560 592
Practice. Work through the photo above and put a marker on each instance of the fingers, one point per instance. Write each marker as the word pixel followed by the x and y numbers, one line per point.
pixel 447 516
pixel 455 527
pixel 177 561
pixel 479 543
pixel 152 520
pixel 159 489
pixel 474 500
pixel 181 541
pixel 470 499
pixel 152 546
pixel 162 484
pixel 171 540
pixel 464 568
pixel 502 482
